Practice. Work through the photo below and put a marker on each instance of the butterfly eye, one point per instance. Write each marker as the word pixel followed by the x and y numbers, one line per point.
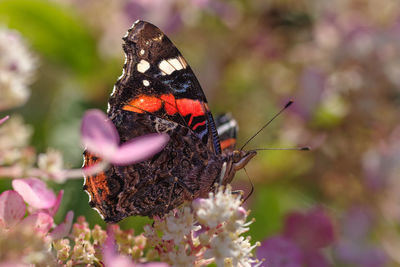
pixel 236 156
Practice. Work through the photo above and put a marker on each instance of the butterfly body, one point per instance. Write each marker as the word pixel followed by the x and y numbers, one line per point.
pixel 158 93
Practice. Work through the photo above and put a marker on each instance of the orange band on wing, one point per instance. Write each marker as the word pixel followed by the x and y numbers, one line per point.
pixel 227 143
pixel 95 184
pixel 143 103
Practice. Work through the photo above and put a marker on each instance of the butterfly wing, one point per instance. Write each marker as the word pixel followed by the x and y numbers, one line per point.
pixel 150 188
pixel 156 79
pixel 227 128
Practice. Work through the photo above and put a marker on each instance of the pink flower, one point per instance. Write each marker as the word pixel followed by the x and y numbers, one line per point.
pixel 101 138
pixel 42 206
pixel 64 228
pixel 312 230
pixel 35 193
pixel 299 245
pixel 280 252
pixel 40 222
pixel 354 247
pixel 12 208
pixel 12 212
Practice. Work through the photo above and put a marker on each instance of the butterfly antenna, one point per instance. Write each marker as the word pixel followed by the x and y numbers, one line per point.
pixel 252 186
pixel 268 123
pixel 306 148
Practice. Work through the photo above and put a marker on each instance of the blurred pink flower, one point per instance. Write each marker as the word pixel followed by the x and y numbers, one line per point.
pixel 2 120
pixel 111 258
pixel 42 206
pixel 360 254
pixel 12 208
pixel 280 252
pixel 312 82
pixel 12 211
pixel 100 137
pixel 35 193
pixel 299 245
pixel 310 231
pixel 354 248
pixel 40 222
pixel 64 228
pixel 14 264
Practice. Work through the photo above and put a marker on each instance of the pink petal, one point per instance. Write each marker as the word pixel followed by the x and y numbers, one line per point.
pixel 35 192
pixel 98 134
pixel 12 208
pixel 53 210
pixel 40 222
pixel 111 257
pixel 4 119
pixel 139 149
pixel 64 228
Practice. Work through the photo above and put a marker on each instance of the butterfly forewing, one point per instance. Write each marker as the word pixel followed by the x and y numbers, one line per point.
pixel 157 79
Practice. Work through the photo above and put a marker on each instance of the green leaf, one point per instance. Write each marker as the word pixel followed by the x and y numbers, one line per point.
pixel 269 209
pixel 52 30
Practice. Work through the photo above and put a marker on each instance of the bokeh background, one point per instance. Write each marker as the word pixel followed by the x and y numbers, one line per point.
pixel 339 60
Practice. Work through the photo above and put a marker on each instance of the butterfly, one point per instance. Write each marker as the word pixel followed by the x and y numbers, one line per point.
pixel 159 93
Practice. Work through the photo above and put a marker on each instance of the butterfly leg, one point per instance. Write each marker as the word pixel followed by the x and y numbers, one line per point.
pixel 175 181
pixel 184 186
pixel 238 193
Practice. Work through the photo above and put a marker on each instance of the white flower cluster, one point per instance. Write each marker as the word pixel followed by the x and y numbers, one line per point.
pixel 51 161
pixel 14 140
pixel 210 232
pixel 17 66
pixel 222 214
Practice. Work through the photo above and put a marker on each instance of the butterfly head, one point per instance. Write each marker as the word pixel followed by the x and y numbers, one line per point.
pixel 236 160
pixel 240 158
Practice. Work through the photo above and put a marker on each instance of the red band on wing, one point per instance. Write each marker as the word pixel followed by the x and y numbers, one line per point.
pixel 169 104
pixel 189 106
pixel 184 106
pixel 198 124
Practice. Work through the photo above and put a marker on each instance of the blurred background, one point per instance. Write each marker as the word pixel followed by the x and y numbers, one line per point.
pixel 339 60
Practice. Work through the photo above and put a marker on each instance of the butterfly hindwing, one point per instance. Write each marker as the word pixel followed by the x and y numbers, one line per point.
pixel 227 128
pixel 156 79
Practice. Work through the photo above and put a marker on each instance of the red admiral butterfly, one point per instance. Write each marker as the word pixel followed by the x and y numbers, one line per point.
pixel 158 93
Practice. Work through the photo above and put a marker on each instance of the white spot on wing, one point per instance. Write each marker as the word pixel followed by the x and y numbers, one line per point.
pixel 170 65
pixel 146 83
pixel 141 52
pixel 166 68
pixel 175 63
pixel 143 66
pixel 182 61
